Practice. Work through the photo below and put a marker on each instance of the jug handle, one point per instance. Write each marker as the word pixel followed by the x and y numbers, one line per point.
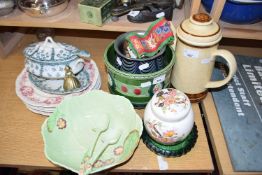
pixel 229 57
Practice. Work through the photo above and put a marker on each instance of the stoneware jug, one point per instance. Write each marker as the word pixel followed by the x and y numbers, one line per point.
pixel 196 49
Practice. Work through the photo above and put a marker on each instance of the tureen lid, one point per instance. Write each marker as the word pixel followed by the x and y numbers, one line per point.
pixel 50 51
pixel 170 105
pixel 199 30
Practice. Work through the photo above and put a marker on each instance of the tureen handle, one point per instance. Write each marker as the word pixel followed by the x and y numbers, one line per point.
pixel 77 65
pixel 84 54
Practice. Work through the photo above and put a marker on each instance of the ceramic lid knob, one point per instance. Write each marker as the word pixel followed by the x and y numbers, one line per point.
pixel 170 105
pixel 201 18
pixel 199 30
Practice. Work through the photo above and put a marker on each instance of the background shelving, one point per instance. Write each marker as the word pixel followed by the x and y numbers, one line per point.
pixel 69 19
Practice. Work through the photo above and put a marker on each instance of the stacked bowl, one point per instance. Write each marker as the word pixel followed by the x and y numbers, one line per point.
pixel 41 84
pixel 137 79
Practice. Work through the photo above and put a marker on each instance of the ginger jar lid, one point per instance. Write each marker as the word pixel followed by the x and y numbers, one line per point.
pixel 199 30
pixel 170 105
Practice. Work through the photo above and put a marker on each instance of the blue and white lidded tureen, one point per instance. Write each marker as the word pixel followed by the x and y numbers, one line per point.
pixel 48 58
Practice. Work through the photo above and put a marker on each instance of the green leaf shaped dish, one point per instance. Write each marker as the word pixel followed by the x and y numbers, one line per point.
pixel 92 132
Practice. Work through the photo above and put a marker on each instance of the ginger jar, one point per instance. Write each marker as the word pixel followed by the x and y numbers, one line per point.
pixel 169 117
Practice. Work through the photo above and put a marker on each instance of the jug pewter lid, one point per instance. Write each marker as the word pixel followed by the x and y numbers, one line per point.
pixel 199 30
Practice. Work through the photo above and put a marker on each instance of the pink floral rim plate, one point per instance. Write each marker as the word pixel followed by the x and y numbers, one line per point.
pixel 43 103
pixel 49 110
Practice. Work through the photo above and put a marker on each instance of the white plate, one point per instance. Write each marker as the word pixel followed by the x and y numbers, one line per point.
pixel 32 96
pixel 47 110
pixel 38 111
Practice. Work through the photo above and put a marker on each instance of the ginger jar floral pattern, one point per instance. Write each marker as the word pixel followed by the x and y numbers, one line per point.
pixel 168 117
pixel 170 99
pixel 161 132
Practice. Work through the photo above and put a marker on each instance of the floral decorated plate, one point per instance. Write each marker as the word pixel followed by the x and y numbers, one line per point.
pixel 53 86
pixel 74 134
pixel 31 95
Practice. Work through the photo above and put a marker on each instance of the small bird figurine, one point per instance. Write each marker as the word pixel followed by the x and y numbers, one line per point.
pixel 70 80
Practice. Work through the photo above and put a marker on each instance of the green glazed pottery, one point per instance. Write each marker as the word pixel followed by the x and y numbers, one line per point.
pixel 138 88
pixel 92 132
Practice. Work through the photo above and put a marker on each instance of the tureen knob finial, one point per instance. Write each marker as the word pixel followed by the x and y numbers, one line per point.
pixel 70 80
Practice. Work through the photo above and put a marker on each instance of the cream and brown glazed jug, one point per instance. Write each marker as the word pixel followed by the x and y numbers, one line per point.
pixel 196 48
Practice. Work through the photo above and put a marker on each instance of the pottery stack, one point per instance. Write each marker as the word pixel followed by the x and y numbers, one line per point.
pixel 49 67
pixel 139 63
